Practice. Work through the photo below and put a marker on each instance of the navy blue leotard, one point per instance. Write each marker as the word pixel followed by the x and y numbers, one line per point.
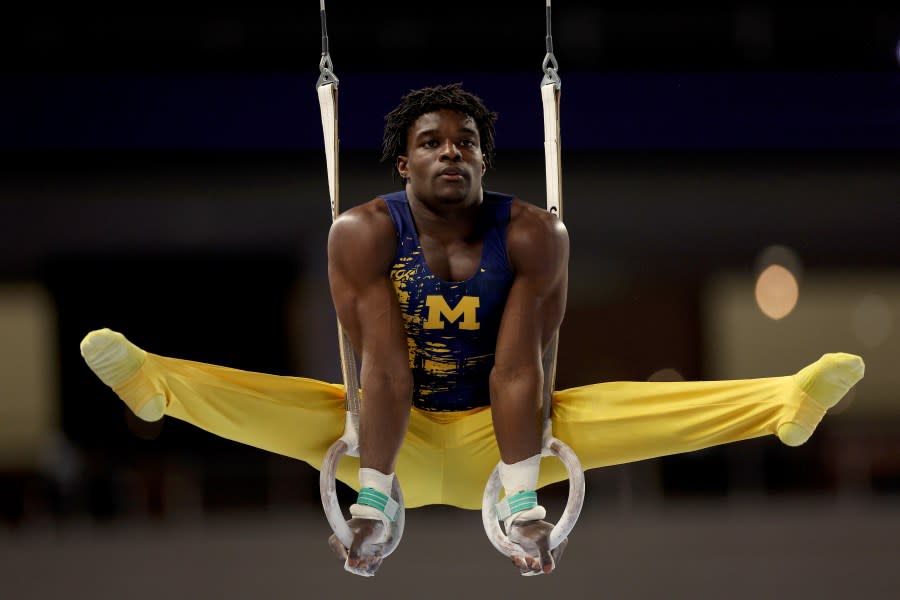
pixel 451 326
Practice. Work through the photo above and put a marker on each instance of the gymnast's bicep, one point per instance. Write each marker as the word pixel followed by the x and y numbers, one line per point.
pixel 361 250
pixel 538 246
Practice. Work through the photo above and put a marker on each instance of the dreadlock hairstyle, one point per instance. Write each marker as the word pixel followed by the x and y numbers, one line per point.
pixel 425 100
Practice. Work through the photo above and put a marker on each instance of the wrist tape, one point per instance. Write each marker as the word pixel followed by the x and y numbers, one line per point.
pixel 519 481
pixel 372 498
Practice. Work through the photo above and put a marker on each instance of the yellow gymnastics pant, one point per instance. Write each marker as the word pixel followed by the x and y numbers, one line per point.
pixel 446 458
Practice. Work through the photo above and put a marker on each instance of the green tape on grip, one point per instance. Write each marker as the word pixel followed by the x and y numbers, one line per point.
pixel 384 503
pixel 516 503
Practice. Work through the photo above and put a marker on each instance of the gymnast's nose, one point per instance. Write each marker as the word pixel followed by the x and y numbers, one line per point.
pixel 450 151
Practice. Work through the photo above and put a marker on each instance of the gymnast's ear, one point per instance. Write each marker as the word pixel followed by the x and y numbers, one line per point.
pixel 403 166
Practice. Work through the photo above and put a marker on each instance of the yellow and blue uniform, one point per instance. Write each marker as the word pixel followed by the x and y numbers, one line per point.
pixel 451 326
pixel 449 449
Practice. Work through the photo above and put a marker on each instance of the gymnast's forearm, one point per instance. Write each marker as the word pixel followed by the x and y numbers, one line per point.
pixel 384 414
pixel 516 411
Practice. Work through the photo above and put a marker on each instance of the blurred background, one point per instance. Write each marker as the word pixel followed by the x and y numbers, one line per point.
pixel 731 182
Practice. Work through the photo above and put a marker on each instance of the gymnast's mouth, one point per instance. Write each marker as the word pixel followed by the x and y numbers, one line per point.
pixel 452 174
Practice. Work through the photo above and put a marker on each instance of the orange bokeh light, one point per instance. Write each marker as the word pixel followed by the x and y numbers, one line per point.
pixel 777 292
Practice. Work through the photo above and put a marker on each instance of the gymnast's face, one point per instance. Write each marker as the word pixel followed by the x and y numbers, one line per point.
pixel 443 162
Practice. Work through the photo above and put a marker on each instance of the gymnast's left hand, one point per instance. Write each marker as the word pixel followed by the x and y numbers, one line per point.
pixel 366 552
pixel 534 538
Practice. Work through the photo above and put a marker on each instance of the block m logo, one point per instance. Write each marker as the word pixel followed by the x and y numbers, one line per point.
pixel 438 310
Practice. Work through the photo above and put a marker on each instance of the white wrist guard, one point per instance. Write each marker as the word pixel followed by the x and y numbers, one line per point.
pixel 519 481
pixel 520 476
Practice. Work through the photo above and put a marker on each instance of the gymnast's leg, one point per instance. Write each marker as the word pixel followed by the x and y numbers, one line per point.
pixel 292 416
pixel 619 422
pixel 605 423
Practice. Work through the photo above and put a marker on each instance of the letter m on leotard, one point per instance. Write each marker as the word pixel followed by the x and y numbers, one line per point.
pixel 438 310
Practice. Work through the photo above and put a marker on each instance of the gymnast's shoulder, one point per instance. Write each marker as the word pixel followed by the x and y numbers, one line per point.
pixel 366 230
pixel 534 231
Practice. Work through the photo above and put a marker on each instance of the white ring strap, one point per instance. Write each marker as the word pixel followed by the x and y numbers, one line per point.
pixel 550 92
pixel 327 91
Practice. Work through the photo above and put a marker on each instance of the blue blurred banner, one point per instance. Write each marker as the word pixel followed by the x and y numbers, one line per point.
pixel 600 111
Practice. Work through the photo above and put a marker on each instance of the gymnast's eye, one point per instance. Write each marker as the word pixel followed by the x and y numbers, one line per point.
pixel 430 144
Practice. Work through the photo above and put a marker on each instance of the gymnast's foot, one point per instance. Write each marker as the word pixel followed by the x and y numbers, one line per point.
pixel 116 361
pixel 826 381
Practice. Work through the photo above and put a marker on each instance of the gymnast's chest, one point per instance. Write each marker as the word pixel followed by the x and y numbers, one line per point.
pixel 433 305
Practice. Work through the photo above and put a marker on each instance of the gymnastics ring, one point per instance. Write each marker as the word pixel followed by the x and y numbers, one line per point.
pixel 570 515
pixel 349 444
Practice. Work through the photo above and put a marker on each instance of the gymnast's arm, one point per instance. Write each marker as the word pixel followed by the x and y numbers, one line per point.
pixel 362 245
pixel 538 249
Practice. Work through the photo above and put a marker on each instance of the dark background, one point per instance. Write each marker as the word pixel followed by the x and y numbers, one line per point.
pixel 465 36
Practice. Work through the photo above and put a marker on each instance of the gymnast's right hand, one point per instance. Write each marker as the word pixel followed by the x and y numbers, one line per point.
pixel 366 552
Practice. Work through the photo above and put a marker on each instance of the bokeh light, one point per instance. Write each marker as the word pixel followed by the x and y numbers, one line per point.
pixel 872 320
pixel 777 292
pixel 666 374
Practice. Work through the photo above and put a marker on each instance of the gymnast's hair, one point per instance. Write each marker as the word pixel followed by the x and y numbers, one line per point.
pixel 419 102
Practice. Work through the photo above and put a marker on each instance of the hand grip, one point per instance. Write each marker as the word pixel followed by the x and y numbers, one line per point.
pixel 569 517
